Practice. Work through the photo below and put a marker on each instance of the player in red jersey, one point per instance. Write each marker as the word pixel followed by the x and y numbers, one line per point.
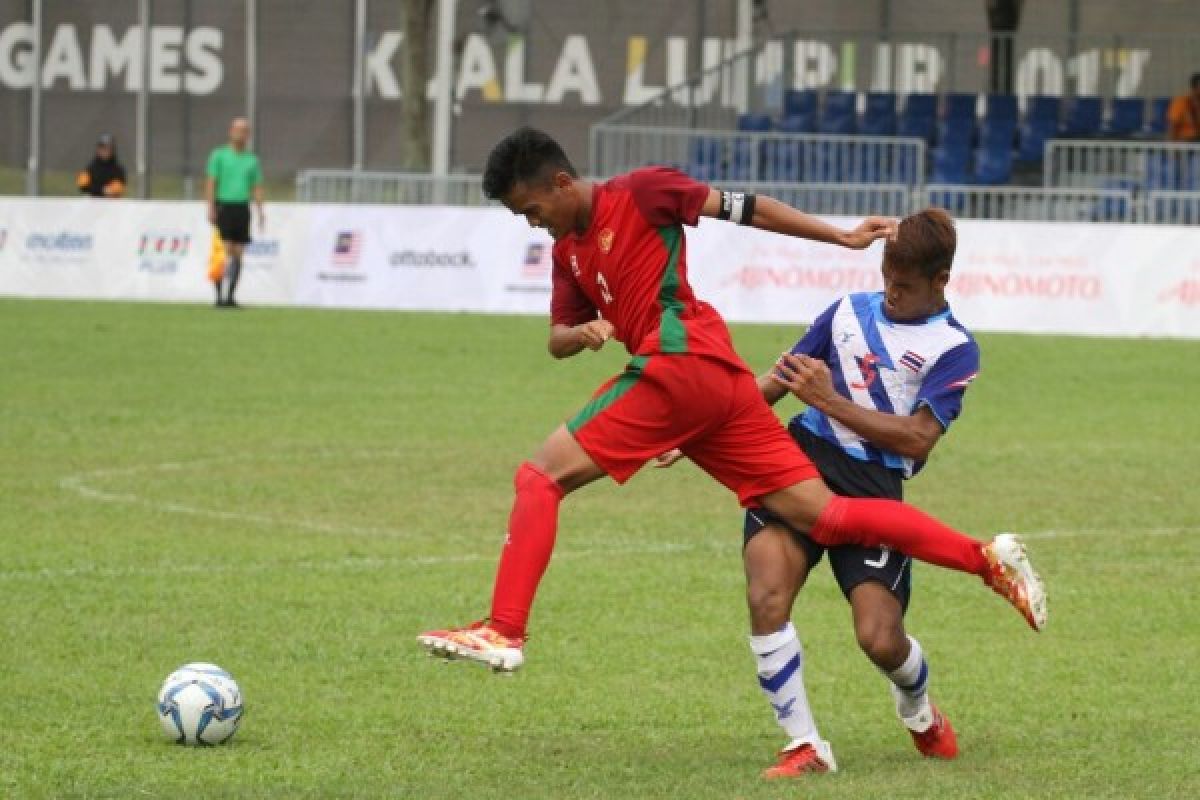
pixel 620 272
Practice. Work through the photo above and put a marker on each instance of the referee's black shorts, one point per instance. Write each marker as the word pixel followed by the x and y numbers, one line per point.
pixel 233 222
pixel 848 477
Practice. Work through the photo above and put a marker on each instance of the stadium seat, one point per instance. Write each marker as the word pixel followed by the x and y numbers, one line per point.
pixel 1035 133
pixel 799 101
pixel 1126 117
pixel 993 163
pixel 1083 117
pixel 704 158
pixel 953 200
pixel 753 122
pixel 919 117
pixel 781 160
pixel 839 114
pixel 739 160
pixel 799 123
pixel 1156 125
pixel 1043 107
pixel 956 132
pixel 880 116
pixel 1001 107
pixel 950 164
pixel 960 106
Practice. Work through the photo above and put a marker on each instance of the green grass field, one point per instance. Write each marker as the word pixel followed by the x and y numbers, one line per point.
pixel 293 494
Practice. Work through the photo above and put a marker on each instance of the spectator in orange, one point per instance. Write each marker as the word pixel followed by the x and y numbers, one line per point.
pixel 1183 115
pixel 104 176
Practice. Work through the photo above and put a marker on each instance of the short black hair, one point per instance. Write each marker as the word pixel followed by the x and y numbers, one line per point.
pixel 1195 79
pixel 524 156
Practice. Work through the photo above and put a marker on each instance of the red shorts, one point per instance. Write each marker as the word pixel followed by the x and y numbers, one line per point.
pixel 712 411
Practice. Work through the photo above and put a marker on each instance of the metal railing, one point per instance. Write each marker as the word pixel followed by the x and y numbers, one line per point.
pixel 401 188
pixel 1122 164
pixel 840 199
pixel 712 155
pixel 1032 203
pixel 1165 207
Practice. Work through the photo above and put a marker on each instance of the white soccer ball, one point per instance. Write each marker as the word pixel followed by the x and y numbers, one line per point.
pixel 199 704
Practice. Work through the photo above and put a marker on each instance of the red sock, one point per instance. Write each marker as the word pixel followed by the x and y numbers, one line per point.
pixel 532 527
pixel 889 523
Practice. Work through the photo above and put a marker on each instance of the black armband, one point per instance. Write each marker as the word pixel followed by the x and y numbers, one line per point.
pixel 737 207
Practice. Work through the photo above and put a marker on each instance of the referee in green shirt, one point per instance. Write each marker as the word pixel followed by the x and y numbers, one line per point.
pixel 233 177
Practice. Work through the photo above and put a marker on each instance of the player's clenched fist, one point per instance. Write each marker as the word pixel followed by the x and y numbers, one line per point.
pixel 594 334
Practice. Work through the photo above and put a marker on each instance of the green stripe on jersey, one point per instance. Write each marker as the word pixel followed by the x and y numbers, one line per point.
pixel 672 334
pixel 633 373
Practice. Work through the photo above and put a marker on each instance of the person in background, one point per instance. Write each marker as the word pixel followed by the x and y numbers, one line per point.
pixel 234 176
pixel 1183 115
pixel 103 176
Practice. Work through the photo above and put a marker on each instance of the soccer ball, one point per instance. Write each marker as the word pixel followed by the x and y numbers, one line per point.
pixel 199 704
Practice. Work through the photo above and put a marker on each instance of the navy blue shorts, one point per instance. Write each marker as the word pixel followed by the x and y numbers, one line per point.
pixel 848 477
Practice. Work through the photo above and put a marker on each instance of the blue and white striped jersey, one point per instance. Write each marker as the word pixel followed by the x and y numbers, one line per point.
pixel 888 366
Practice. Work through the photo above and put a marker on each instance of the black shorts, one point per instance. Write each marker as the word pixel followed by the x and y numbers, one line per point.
pixel 848 477
pixel 233 221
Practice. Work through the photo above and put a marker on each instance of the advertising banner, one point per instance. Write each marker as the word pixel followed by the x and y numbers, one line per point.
pixel 1094 279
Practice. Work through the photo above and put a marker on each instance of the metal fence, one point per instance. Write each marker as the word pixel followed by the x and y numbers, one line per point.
pixel 712 155
pixel 1138 165
pixel 1172 207
pixel 403 188
pixel 1033 204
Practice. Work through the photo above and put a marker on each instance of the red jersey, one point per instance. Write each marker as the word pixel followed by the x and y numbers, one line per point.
pixel 630 268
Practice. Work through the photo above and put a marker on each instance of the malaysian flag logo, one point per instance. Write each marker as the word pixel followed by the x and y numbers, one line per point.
pixel 913 361
pixel 346 248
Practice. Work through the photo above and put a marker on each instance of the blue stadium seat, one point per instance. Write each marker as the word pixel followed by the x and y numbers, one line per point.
pixel 1178 170
pixel 839 114
pixel 1127 116
pixel 780 160
pixel 704 158
pixel 879 118
pixel 799 101
pixel 993 163
pixel 1043 107
pixel 1035 133
pixel 799 123
pixel 919 117
pixel 739 160
pixel 950 164
pixel 960 106
pixel 998 133
pixel 1083 117
pixel 1001 107
pixel 753 122
pixel 956 132
pixel 1156 125
pixel 953 200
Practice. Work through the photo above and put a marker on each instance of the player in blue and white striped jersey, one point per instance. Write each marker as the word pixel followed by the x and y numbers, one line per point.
pixel 883 375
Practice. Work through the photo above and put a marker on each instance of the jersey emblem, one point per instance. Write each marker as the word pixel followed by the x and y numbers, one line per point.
pixel 844 337
pixel 575 264
pixel 606 239
pixel 866 365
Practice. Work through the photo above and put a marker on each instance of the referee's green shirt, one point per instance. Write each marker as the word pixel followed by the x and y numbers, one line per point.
pixel 236 174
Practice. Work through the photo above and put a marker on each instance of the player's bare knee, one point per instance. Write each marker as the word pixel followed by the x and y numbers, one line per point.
pixel 769 603
pixel 882 640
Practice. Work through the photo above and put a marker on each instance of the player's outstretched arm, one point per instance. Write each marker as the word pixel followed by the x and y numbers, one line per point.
pixel 912 436
pixel 773 215
pixel 568 340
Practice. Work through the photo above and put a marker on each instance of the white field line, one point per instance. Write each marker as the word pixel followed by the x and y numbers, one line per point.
pixel 1131 532
pixel 80 484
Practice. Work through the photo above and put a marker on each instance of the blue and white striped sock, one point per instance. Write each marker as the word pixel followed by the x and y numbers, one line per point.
pixel 911 680
pixel 780 661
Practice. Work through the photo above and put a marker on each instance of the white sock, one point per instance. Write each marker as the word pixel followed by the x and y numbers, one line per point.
pixel 780 662
pixel 911 680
